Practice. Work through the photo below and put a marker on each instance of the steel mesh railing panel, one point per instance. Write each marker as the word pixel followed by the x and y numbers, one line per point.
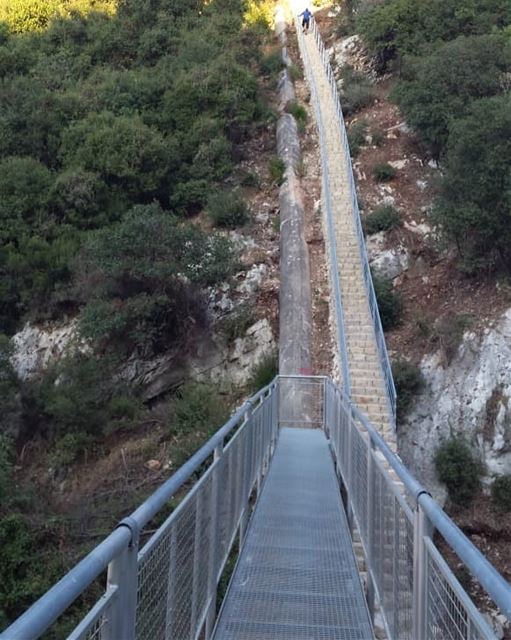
pixel 393 542
pixel 450 614
pixel 170 592
pixel 226 506
pixel 96 631
pixel 301 401
pixel 358 478
pixel 95 623
pixel 181 564
pixel 391 551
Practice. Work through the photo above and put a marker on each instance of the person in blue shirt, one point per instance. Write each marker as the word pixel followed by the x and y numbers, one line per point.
pixel 307 15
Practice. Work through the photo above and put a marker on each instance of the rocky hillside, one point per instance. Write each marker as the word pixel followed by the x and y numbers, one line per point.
pixel 426 98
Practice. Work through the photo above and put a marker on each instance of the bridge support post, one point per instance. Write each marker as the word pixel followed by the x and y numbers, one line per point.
pixel 123 574
pixel 421 528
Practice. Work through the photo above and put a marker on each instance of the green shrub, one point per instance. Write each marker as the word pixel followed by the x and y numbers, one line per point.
pixel 474 203
pixel 399 27
pixel 383 172
pixel 142 279
pixel 377 137
pixel 24 187
pixel 357 137
pixel 80 399
pixel 357 92
pixel 272 63
pixel 235 324
pixel 123 150
pixel 383 218
pixel 10 402
pixel 300 115
pixel 277 170
pixel 249 179
pixel 501 492
pixel 444 85
pixel 408 381
pixel 5 469
pixel 18 567
pixel 69 448
pixel 264 371
pixel 457 468
pixel 295 72
pixel 389 302
pixel 227 209
pixel 197 407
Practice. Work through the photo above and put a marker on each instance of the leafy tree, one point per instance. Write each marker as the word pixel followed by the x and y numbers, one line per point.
pixel 397 27
pixel 124 151
pixel 24 196
pixel 389 302
pixel 459 470
pixel 38 266
pixel 22 581
pixel 475 200
pixel 445 83
pixel 408 380
pixel 80 395
pixel 32 118
pixel 35 15
pixel 28 15
pixel 143 275
pixel 5 467
pixel 82 199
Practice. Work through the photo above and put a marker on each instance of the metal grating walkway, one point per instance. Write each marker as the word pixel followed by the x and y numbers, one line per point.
pixel 297 578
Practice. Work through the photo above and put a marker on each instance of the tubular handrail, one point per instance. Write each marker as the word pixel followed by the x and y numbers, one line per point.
pixel 373 306
pixel 495 585
pixel 172 580
pixel 38 618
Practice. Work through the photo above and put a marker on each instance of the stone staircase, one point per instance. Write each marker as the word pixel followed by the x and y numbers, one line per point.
pixel 367 382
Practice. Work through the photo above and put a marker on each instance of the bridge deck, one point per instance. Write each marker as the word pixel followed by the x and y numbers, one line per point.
pixel 297 578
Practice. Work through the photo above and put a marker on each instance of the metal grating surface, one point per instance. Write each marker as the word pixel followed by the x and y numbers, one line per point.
pixel 297 577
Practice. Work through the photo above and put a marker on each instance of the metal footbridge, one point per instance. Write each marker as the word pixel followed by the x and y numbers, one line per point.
pixel 291 492
pixel 297 575
pixel 299 502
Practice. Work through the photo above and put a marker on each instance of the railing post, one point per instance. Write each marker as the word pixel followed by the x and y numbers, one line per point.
pixel 326 427
pixel 370 510
pixel 214 542
pixel 245 485
pixel 421 529
pixel 123 573
pixel 196 565
pixel 274 403
pixel 349 470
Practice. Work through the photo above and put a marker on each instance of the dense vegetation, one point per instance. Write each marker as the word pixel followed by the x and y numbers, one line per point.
pixel 119 121
pixel 99 114
pixel 459 470
pixel 454 61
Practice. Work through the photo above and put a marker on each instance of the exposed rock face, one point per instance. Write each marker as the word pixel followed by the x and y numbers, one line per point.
pixel 391 263
pixel 469 397
pixel 34 348
pixel 212 360
pixel 387 263
pixel 234 363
